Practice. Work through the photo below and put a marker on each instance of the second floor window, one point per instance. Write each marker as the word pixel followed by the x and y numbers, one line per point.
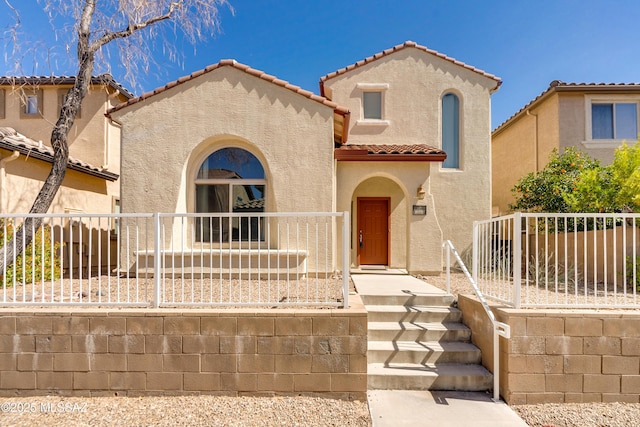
pixel 451 130
pixel 614 121
pixel 31 104
pixel 372 105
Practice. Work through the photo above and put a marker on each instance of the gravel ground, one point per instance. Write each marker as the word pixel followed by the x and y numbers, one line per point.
pixel 182 411
pixel 580 414
pixel 553 414
pixel 181 292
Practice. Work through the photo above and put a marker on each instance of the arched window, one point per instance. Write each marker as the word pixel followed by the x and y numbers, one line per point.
pixel 230 180
pixel 451 130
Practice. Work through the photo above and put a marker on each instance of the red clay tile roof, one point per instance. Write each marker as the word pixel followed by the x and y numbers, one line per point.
pixel 103 79
pixel 560 86
pixel 14 141
pixel 245 68
pixel 415 152
pixel 407 44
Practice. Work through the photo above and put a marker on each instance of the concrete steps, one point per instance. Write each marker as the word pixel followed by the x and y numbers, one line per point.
pixel 408 376
pixel 416 339
pixel 423 352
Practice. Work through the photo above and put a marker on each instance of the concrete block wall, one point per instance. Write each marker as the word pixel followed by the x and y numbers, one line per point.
pixel 557 356
pixel 83 352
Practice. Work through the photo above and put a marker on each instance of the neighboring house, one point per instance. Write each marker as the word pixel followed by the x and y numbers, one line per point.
pixel 401 140
pixel 595 118
pixel 29 107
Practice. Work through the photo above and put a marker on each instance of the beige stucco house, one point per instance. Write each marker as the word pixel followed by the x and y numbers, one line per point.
pixel 29 107
pixel 401 140
pixel 595 118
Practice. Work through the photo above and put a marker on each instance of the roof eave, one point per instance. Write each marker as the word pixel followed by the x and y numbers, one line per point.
pixel 109 176
pixel 364 156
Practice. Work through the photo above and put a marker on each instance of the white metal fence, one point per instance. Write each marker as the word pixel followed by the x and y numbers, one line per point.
pixel 559 260
pixel 171 260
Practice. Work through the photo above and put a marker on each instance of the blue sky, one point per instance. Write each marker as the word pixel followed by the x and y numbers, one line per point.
pixel 526 43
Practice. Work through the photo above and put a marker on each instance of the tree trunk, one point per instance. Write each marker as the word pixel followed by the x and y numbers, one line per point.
pixel 23 235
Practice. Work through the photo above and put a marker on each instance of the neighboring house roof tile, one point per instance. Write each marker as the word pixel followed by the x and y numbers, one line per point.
pixel 405 45
pixel 14 141
pixel 103 79
pixel 384 152
pixel 245 68
pixel 255 205
pixel 560 86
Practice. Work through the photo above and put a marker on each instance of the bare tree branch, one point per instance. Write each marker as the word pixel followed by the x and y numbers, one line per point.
pixel 191 16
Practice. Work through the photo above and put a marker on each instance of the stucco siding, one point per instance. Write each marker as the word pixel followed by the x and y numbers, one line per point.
pixel 22 179
pixel 412 105
pixel 414 239
pixel 522 147
pixel 573 118
pixel 167 137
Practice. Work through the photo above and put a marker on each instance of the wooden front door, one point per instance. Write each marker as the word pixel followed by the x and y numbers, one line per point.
pixel 373 231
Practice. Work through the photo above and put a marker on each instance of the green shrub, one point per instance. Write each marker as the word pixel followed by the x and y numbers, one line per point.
pixel 39 260
pixel 545 191
pixel 629 268
pixel 612 188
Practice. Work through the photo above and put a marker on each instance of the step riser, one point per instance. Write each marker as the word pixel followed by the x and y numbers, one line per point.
pixel 429 300
pixel 419 335
pixel 462 383
pixel 387 356
pixel 427 316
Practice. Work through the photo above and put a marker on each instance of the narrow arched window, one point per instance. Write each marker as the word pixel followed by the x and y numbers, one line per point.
pixel 230 180
pixel 451 130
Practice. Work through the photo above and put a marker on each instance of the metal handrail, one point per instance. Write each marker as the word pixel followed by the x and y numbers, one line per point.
pixel 500 329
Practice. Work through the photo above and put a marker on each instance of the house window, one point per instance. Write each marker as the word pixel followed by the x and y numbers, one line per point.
pixel 373 95
pixel 31 104
pixel 451 130
pixel 61 95
pixel 230 180
pixel 2 115
pixel 372 105
pixel 614 120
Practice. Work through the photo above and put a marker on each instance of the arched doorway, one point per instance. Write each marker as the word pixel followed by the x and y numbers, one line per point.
pixel 380 223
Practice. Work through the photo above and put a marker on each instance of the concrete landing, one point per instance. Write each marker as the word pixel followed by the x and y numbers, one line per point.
pixel 393 284
pixel 393 408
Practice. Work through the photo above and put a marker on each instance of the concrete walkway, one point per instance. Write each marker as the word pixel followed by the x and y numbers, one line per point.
pixel 391 408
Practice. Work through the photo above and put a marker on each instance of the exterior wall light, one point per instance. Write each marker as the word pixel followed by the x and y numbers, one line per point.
pixel 421 193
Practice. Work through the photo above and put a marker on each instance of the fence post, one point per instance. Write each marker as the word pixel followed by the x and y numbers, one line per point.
pixel 517 258
pixel 345 259
pixel 475 251
pixel 155 301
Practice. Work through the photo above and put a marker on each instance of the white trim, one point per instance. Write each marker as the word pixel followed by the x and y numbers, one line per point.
pixel 372 122
pixel 372 86
pixel 605 143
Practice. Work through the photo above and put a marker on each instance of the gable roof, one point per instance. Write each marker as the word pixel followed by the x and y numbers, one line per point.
pixel 103 79
pixel 341 114
pixel 397 48
pixel 244 68
pixel 14 141
pixel 560 86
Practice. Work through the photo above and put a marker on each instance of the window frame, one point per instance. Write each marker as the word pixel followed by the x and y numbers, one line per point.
pixel 459 165
pixel 230 182
pixel 590 100
pixel 2 103
pixel 61 94
pixel 368 88
pixel 26 93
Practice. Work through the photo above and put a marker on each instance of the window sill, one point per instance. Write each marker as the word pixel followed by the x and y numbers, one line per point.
pixel 604 143
pixel 372 122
